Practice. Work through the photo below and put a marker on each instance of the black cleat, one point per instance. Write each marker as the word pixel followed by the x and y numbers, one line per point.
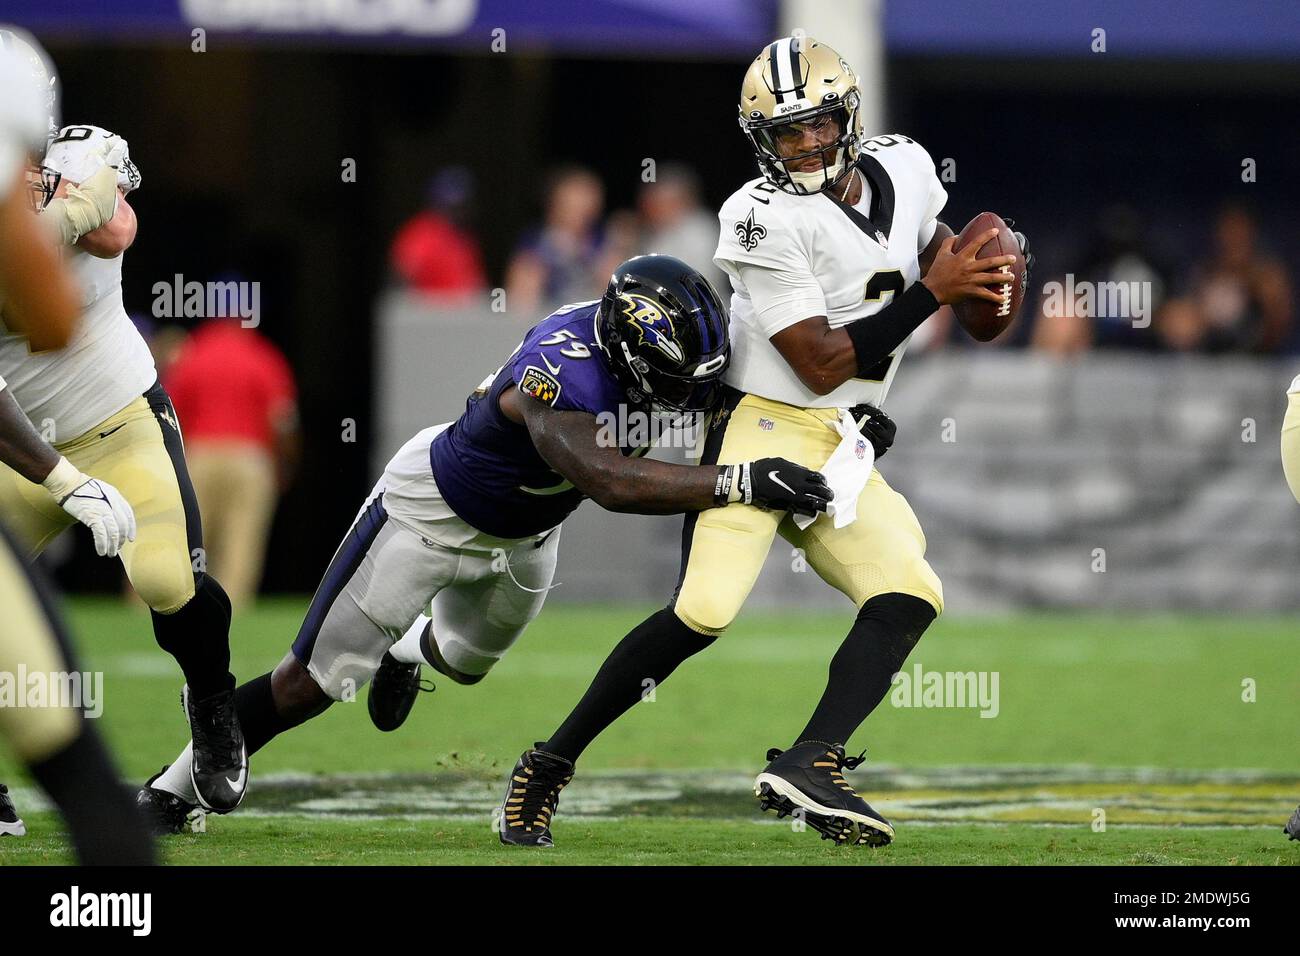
pixel 807 779
pixel 10 823
pixel 531 798
pixel 219 768
pixel 163 812
pixel 1292 828
pixel 392 692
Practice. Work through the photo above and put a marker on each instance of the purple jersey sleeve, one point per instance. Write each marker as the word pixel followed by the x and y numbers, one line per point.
pixel 560 364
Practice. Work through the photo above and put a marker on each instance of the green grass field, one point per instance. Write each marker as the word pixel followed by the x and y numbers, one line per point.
pixel 1139 718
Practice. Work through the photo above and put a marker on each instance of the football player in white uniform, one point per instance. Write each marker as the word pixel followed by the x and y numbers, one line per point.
pixel 59 747
pixel 110 418
pixel 836 254
pixel 1291 468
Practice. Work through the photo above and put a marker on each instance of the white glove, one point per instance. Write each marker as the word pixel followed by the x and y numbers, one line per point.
pixel 96 504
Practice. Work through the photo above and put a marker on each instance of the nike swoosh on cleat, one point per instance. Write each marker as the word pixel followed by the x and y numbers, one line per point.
pixel 237 783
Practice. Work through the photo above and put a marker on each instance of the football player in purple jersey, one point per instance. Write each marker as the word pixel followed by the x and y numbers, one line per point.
pixel 465 521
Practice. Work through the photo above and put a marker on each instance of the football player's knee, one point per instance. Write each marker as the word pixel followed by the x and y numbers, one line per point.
pixel 707 611
pixel 165 585
pixel 345 677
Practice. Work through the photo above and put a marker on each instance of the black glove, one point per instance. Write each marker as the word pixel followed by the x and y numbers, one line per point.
pixel 774 484
pixel 1024 250
pixel 876 426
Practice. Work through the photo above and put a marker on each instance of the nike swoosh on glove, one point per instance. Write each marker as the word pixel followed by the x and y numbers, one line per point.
pixel 781 485
pixel 94 503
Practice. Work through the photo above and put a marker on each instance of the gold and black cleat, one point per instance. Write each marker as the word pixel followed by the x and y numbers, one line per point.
pixel 808 780
pixel 531 798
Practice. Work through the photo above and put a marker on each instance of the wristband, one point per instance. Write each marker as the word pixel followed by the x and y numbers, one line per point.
pixel 722 488
pixel 63 479
pixel 743 490
pixel 874 337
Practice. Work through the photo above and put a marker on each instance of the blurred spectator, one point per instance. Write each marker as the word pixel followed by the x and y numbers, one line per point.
pixel 1121 254
pixel 1111 301
pixel 674 222
pixel 435 253
pixel 235 396
pixel 570 256
pixel 1180 325
pixel 1062 333
pixel 1242 294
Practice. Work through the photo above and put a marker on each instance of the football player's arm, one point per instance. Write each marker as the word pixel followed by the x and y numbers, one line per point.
pixel 569 441
pixel 96 504
pixel 41 302
pixel 21 446
pixel 115 236
pixel 825 358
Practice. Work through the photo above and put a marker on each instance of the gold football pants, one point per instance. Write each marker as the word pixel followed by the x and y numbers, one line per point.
pixel 723 549
pixel 139 451
pixel 1291 444
pixel 30 643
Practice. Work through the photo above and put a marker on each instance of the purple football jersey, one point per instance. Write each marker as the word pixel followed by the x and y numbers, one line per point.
pixel 486 466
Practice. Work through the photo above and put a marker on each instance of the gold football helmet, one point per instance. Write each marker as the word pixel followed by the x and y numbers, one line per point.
pixel 799 107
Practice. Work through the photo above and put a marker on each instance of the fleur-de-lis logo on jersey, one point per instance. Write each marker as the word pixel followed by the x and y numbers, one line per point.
pixel 749 232
pixel 655 328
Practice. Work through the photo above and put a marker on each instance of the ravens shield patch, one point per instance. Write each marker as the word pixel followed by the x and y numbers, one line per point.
pixel 540 385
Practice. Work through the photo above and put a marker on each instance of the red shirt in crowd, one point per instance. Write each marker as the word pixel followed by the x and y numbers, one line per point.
pixel 230 383
pixel 434 256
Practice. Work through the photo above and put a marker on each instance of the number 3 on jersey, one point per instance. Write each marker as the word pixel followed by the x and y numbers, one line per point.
pixel 881 282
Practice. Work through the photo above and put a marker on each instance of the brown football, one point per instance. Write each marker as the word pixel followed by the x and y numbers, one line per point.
pixel 985 321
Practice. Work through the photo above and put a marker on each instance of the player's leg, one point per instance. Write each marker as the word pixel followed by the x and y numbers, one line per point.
pixel 140 451
pixel 1291 443
pixel 723 550
pixel 879 563
pixel 31 515
pixel 474 619
pixel 376 584
pixel 57 743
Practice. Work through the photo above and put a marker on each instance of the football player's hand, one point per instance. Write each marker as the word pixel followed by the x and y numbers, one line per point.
pixel 877 427
pixel 954 276
pixel 781 485
pixel 96 504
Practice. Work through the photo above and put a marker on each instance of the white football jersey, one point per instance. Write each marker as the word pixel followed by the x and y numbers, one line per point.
pixel 794 257
pixel 107 364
